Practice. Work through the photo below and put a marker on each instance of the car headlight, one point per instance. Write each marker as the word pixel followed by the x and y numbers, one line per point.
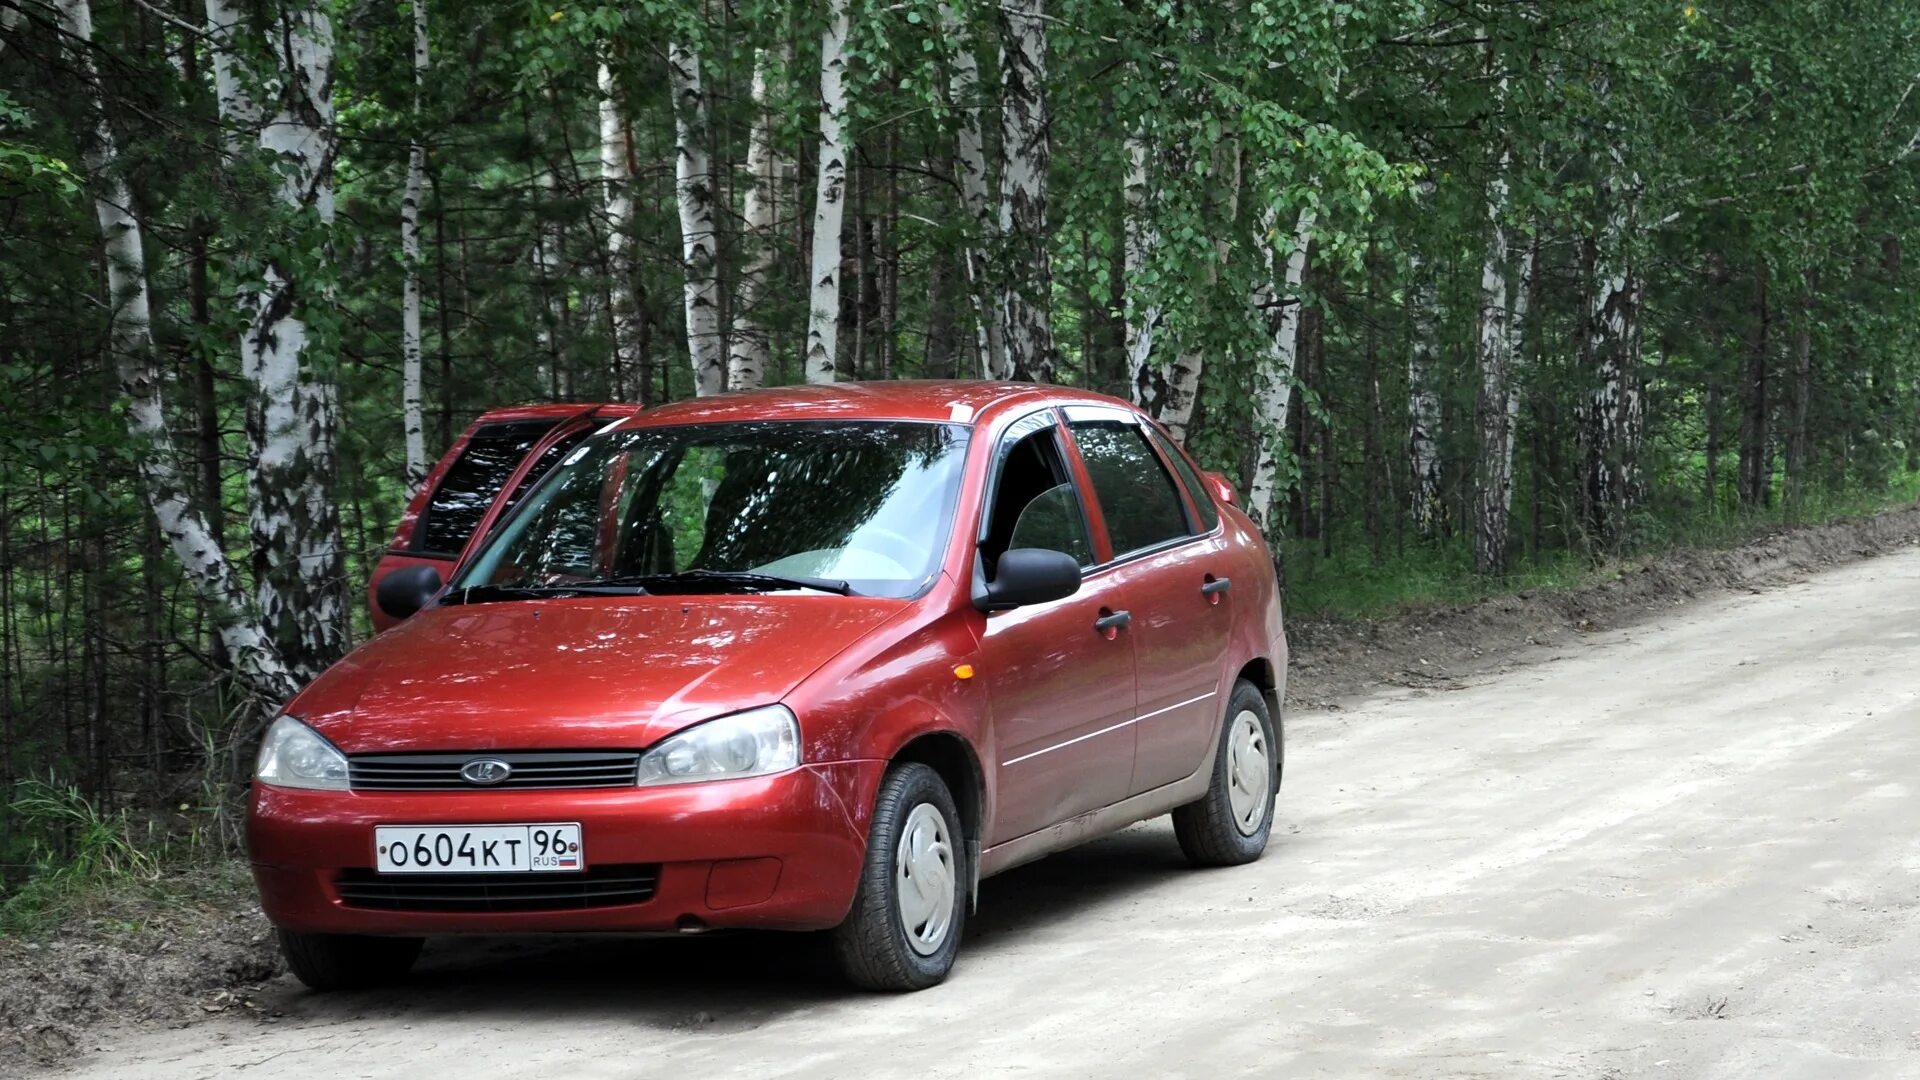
pixel 752 743
pixel 294 755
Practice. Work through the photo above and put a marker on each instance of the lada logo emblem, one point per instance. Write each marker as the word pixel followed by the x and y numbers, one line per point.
pixel 485 771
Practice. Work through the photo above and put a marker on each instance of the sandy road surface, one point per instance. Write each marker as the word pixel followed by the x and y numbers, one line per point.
pixel 1687 849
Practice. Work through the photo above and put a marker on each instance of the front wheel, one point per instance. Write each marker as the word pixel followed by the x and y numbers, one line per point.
pixel 904 930
pixel 347 961
pixel 1229 824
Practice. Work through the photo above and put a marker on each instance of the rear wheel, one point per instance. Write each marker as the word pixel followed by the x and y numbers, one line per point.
pixel 348 961
pixel 904 930
pixel 1229 824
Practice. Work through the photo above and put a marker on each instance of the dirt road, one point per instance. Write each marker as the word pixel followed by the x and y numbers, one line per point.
pixel 1686 849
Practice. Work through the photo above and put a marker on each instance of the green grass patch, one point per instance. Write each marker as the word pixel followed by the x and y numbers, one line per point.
pixel 1348 584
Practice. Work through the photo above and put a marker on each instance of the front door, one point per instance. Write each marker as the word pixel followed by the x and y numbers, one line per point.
pixel 1059 676
pixel 1172 566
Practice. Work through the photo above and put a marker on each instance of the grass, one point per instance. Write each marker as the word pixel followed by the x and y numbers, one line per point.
pixel 1348 584
pixel 85 861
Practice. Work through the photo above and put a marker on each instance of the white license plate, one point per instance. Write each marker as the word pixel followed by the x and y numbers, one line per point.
pixel 478 849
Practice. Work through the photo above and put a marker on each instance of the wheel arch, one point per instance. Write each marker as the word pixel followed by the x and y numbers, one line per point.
pixel 1260 672
pixel 949 754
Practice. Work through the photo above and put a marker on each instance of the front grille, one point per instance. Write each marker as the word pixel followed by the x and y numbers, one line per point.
pixel 597 887
pixel 531 769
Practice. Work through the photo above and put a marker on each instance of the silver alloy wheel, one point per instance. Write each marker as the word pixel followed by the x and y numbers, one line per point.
pixel 1249 771
pixel 923 879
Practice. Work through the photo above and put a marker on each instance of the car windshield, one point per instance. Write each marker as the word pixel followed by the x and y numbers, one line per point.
pixel 837 506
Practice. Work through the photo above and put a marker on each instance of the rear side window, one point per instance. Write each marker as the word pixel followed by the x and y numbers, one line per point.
pixel 1137 496
pixel 1202 497
pixel 543 465
pixel 473 482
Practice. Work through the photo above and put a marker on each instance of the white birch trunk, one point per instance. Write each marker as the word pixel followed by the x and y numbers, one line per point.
pixel 1610 415
pixel 749 348
pixel 616 180
pixel 829 202
pixel 970 168
pixel 413 412
pixel 1496 403
pixel 1423 406
pixel 239 114
pixel 256 660
pixel 11 17
pixel 1141 239
pixel 294 524
pixel 699 235
pixel 1280 306
pixel 1025 158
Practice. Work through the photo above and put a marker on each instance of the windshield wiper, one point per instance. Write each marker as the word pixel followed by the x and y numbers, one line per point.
pixel 744 580
pixel 484 594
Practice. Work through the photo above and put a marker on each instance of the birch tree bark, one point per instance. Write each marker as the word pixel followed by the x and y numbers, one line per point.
pixel 1427 507
pixel 413 408
pixel 616 183
pixel 1610 415
pixel 970 168
pixel 829 202
pixel 1277 299
pixel 749 349
pixel 299 565
pixel 1025 157
pixel 1140 239
pixel 256 660
pixel 1503 309
pixel 693 190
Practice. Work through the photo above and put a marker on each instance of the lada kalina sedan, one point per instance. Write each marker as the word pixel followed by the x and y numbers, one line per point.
pixel 813 659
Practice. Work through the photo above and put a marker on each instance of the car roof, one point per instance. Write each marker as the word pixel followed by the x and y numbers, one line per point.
pixel 558 410
pixel 950 400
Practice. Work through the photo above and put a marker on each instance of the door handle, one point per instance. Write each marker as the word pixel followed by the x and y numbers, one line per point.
pixel 1215 586
pixel 1110 623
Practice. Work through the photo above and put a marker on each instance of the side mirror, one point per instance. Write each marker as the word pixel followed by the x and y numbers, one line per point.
pixel 1029 576
pixel 1222 488
pixel 407 590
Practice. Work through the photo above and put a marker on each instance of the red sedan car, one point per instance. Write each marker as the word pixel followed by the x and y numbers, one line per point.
pixel 816 658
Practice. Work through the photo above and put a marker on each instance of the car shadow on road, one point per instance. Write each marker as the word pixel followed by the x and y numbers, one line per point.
pixel 721 982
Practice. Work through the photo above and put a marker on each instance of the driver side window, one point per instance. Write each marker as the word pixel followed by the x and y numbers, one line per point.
pixel 1035 503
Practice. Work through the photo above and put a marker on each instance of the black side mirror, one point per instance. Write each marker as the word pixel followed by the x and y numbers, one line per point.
pixel 407 590
pixel 1029 576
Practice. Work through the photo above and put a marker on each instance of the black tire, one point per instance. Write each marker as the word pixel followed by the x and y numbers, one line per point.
pixel 871 947
pixel 1207 828
pixel 348 961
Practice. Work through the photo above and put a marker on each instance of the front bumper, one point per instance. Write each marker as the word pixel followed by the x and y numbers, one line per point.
pixel 781 852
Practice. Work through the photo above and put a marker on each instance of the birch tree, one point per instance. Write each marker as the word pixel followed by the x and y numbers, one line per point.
pixel 1424 501
pixel 829 202
pixel 1610 416
pixel 1277 297
pixel 299 566
pixel 970 170
pixel 693 191
pixel 413 417
pixel 749 347
pixel 256 660
pixel 1025 158
pixel 616 187
pixel 1504 296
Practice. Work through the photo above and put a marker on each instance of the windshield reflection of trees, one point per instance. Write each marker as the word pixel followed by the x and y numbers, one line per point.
pixel 740 496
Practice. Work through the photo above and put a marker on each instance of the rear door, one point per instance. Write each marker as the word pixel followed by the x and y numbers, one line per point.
pixel 1169 561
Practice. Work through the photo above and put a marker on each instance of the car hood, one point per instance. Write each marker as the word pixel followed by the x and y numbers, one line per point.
pixel 599 672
